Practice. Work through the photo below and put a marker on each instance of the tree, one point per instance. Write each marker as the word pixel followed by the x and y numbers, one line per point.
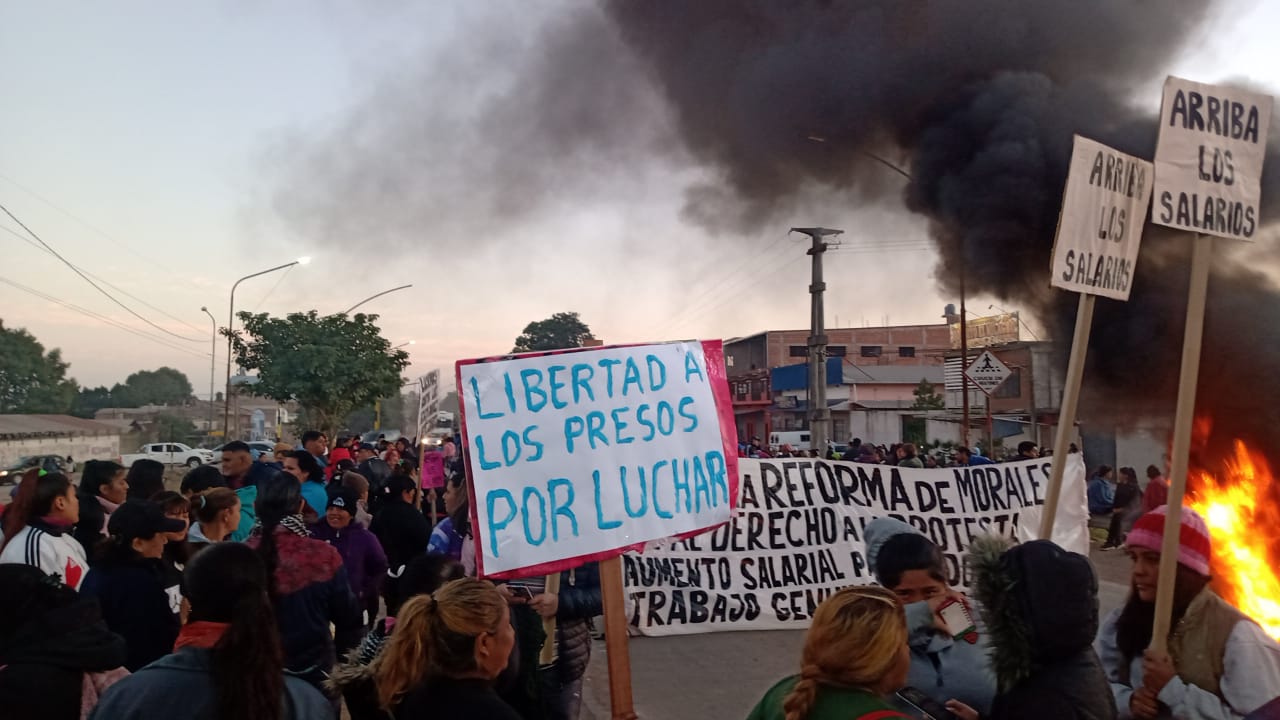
pixel 171 428
pixel 562 330
pixel 330 364
pixel 31 380
pixel 164 386
pixel 927 397
pixel 90 400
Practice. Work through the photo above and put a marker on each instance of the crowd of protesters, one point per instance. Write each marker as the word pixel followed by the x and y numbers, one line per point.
pixel 273 586
pixel 904 454
pixel 123 599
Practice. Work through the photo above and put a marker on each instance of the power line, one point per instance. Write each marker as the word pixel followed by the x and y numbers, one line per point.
pixel 87 279
pixel 100 279
pixel 283 275
pixel 102 318
pixel 731 284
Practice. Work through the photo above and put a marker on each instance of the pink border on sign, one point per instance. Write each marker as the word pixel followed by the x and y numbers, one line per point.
pixel 713 355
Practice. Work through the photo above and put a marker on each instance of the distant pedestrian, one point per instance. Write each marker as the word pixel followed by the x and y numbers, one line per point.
pixel 302 465
pixel 360 484
pixel 202 478
pixel 400 527
pixel 1100 492
pixel 103 486
pixel 855 655
pixel 1157 492
pixel 38 525
pixel 227 661
pixel 1027 450
pixel 968 458
pixel 145 478
pixel 1125 508
pixel 909 456
pixel 362 555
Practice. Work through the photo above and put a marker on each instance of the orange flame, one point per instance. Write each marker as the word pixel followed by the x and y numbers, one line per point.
pixel 1241 513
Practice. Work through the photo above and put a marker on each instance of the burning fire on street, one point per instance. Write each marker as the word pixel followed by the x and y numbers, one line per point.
pixel 1242 515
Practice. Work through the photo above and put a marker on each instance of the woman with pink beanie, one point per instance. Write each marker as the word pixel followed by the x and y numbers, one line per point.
pixel 1220 665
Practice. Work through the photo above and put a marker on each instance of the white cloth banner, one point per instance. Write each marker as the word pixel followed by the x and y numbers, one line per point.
pixel 797 537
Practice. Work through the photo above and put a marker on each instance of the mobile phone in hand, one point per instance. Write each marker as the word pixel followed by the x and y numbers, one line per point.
pixel 521 591
pixel 922 706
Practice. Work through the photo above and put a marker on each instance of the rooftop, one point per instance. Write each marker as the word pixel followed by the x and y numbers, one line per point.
pixel 12 426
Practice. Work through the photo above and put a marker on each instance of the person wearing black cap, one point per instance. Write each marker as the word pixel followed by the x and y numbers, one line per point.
pixel 56 654
pixel 375 470
pixel 129 583
pixel 399 526
pixel 361 553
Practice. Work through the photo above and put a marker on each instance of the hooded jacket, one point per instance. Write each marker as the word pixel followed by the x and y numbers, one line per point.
pixel 362 556
pixel 43 663
pixel 402 530
pixel 140 603
pixel 52 549
pixel 942 667
pixel 180 685
pixel 1040 604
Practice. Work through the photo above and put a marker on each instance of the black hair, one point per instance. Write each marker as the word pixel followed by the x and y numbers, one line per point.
pixel 397 485
pixel 908 551
pixel 237 446
pixel 423 575
pixel 179 551
pixel 462 516
pixel 228 583
pixel 1137 617
pixel 97 473
pixel 146 478
pixel 311 436
pixel 34 499
pixel 279 496
pixel 1025 447
pixel 1130 473
pixel 30 594
pixel 308 463
pixel 1102 470
pixel 1153 472
pixel 205 477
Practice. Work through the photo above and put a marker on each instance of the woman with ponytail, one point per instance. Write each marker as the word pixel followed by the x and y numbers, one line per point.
pixel 855 655
pixel 445 653
pixel 38 527
pixel 227 661
pixel 306 580
pixel 215 514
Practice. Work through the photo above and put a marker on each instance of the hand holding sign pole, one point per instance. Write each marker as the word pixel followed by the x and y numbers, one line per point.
pixel 1095 252
pixel 1208 172
pixel 579 455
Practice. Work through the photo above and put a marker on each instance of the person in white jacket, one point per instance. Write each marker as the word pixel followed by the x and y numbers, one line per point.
pixel 38 524
pixel 1220 666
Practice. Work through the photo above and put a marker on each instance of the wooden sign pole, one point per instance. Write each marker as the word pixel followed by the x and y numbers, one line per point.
pixel 1067 413
pixel 615 638
pixel 548 655
pixel 1201 255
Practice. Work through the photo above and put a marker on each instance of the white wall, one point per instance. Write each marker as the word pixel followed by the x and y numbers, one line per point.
pixel 79 447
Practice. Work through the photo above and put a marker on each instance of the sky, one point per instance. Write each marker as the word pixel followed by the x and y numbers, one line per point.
pixel 165 149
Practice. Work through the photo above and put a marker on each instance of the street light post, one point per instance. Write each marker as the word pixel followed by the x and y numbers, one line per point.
pixel 374 297
pixel 231 320
pixel 213 363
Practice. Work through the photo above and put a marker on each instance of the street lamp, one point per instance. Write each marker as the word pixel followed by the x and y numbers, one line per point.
pixel 374 297
pixel 231 320
pixel 213 351
pixel 411 342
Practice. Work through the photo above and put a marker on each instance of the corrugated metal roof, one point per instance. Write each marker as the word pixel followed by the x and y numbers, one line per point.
pixel 19 425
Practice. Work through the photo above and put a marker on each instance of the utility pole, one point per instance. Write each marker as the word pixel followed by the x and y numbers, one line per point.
pixel 819 414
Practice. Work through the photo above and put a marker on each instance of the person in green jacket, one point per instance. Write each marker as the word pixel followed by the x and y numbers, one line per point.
pixel 855 655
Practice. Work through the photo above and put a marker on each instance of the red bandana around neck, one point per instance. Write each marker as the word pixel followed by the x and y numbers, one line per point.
pixel 200 634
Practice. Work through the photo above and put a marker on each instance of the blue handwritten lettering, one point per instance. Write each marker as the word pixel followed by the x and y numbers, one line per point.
pixel 681 480
pixel 485 464
pixel 690 416
pixel 491 501
pixel 640 418
pixel 556 386
pixel 542 511
pixel 657 380
pixel 561 509
pixel 595 429
pixel 475 392
pixel 700 487
pixel 608 364
pixel 692 368
pixel 669 416
pixel 619 425
pixel 510 447
pixel 657 509
pixel 626 496
pixel 719 476
pixel 631 376
pixel 531 390
pixel 600 521
pixel 537 446
pixel 573 427
pixel 582 385
pixel 510 392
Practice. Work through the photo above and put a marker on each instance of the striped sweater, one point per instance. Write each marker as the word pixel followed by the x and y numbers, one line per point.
pixel 51 549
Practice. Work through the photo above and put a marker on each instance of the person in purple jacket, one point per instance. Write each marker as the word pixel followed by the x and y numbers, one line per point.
pixel 361 552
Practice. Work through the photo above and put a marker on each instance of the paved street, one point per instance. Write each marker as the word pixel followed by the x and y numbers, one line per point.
pixel 722 675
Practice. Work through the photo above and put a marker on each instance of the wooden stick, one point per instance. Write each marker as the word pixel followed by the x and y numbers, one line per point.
pixel 615 639
pixel 1201 255
pixel 548 655
pixel 1067 413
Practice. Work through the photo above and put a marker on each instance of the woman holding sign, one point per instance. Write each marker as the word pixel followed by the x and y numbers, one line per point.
pixel 855 654
pixel 947 663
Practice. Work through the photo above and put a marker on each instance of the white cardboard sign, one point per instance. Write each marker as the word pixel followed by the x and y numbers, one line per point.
pixel 1104 209
pixel 1209 158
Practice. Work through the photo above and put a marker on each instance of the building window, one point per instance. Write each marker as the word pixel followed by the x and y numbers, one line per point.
pixel 871 350
pixel 1010 389
pixel 906 351
pixel 799 351
pixel 836 350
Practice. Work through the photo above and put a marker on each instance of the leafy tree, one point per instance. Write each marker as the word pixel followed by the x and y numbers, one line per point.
pixel 562 330
pixel 927 397
pixel 90 400
pixel 330 364
pixel 31 380
pixel 171 428
pixel 164 386
pixel 363 419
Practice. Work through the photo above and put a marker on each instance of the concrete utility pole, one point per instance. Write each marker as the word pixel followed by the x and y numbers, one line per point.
pixel 819 413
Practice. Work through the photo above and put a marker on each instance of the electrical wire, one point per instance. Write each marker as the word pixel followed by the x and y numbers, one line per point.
pixel 100 279
pixel 732 284
pixel 87 279
pixel 102 318
pixel 283 275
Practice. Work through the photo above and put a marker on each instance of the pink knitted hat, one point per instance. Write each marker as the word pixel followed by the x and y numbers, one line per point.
pixel 1193 537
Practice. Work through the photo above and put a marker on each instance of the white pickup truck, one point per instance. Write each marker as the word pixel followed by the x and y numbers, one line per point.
pixel 169 454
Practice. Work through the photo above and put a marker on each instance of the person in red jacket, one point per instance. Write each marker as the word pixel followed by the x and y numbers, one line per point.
pixel 1157 492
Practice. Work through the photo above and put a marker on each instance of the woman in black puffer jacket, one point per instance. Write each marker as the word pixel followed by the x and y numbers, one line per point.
pixel 577 603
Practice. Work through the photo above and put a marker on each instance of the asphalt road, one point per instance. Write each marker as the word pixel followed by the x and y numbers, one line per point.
pixel 723 675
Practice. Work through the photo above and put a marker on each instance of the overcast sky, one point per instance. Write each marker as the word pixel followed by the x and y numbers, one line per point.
pixel 155 145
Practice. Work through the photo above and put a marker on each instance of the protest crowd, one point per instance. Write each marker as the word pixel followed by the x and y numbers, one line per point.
pixel 318 579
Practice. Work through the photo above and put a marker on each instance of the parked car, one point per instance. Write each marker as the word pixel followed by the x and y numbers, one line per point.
pixel 169 454
pixel 257 447
pixel 49 463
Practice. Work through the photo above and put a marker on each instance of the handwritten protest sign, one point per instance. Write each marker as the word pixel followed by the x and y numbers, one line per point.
pixel 432 470
pixel 1103 211
pixel 797 537
pixel 580 454
pixel 428 402
pixel 1209 156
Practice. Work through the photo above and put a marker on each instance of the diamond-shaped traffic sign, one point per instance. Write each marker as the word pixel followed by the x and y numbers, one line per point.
pixel 987 372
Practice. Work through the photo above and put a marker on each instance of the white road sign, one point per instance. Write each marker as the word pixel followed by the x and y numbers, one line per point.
pixel 987 372
pixel 1209 158
pixel 1103 211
